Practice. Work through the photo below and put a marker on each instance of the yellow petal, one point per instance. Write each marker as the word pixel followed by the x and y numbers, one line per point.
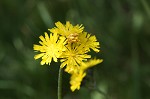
pixel 38 55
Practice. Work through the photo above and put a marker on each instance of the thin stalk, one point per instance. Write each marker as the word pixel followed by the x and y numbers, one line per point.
pixel 60 83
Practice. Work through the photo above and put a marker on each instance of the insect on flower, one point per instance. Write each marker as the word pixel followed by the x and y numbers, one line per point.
pixel 73 37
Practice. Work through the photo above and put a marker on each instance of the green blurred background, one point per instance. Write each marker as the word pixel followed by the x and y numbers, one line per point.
pixel 121 26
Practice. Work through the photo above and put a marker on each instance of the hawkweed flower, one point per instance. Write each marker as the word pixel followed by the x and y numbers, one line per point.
pixel 89 41
pixel 71 45
pixel 72 57
pixel 77 77
pixel 49 48
pixel 67 29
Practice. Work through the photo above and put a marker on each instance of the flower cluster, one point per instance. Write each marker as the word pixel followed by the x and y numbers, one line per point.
pixel 70 44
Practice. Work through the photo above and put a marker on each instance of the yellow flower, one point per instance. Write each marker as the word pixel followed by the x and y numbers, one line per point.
pixel 76 80
pixel 72 57
pixel 77 77
pixel 66 30
pixel 88 42
pixel 51 47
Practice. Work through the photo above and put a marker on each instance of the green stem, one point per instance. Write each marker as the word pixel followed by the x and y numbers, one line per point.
pixel 60 83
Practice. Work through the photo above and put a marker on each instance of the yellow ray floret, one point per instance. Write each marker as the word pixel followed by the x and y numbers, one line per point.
pixel 50 47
